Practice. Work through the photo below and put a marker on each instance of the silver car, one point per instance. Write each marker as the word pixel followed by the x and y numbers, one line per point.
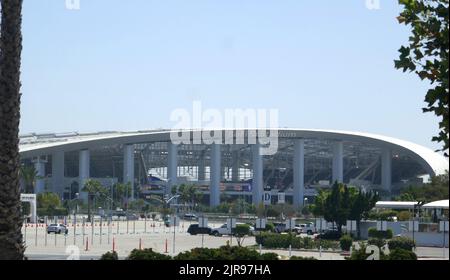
pixel 57 229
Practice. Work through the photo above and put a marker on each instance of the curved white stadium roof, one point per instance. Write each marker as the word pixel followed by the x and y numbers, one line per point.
pixel 42 144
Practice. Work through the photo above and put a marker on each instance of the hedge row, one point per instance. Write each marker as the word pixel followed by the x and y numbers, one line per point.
pixel 222 253
pixel 278 241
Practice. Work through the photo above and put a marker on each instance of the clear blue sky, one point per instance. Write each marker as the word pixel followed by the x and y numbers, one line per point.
pixel 125 65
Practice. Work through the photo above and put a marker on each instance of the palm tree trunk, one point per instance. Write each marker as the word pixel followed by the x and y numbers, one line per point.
pixel 11 242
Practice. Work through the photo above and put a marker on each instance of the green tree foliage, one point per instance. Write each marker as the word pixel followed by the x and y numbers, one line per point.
pixel 225 253
pixel 29 176
pixel 344 203
pixel 437 189
pixel 346 242
pixel 240 232
pixel 189 194
pixel 385 234
pixel 402 255
pixel 109 256
pixel 48 200
pixel 427 55
pixel 147 255
pixel 402 242
pixel 94 189
pixel 122 193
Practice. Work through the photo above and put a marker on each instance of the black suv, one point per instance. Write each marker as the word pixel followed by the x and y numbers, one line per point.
pixel 194 229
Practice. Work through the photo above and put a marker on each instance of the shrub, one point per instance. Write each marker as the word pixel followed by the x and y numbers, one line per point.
pixel 109 256
pixel 330 235
pixel 401 254
pixel 299 258
pixel 346 242
pixel 269 257
pixel 379 242
pixel 275 241
pixel 404 243
pixel 404 216
pixel 270 227
pixel 225 253
pixel 374 233
pixel 147 255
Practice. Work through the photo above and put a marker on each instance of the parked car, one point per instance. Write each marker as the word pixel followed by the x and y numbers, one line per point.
pixel 308 228
pixel 223 230
pixel 190 217
pixel 195 229
pixel 57 229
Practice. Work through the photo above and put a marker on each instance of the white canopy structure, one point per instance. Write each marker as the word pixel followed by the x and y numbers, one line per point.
pixel 440 204
pixel 397 204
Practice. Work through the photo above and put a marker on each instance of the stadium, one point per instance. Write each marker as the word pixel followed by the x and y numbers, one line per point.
pixel 305 162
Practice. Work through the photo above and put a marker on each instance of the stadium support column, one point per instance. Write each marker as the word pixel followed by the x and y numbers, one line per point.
pixel 338 162
pixel 299 172
pixel 386 169
pixel 257 184
pixel 235 170
pixel 201 167
pixel 83 171
pixel 216 175
pixel 58 172
pixel 39 166
pixel 172 167
pixel 128 167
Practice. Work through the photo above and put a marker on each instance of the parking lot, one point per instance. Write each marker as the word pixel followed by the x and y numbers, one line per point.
pixel 90 242
pixel 124 236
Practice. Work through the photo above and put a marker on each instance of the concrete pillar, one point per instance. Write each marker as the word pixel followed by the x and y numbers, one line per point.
pixel 128 167
pixel 299 172
pixel 83 171
pixel 39 166
pixel 201 167
pixel 257 184
pixel 216 175
pixel 172 166
pixel 58 172
pixel 338 162
pixel 236 164
pixel 386 169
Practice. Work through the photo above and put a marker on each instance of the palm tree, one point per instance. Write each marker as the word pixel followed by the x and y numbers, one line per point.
pixel 93 188
pixel 122 192
pixel 29 176
pixel 11 240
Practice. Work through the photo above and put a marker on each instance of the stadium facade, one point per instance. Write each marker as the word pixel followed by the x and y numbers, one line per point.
pixel 305 161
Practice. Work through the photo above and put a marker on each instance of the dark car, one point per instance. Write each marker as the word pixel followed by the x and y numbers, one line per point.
pixel 194 229
pixel 190 217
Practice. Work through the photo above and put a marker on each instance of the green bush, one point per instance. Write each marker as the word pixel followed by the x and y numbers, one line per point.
pixel 404 216
pixel 225 253
pixel 401 254
pixel 270 227
pixel 299 258
pixel 346 242
pixel 379 242
pixel 374 233
pixel 276 241
pixel 50 212
pixel 109 256
pixel 404 243
pixel 147 255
